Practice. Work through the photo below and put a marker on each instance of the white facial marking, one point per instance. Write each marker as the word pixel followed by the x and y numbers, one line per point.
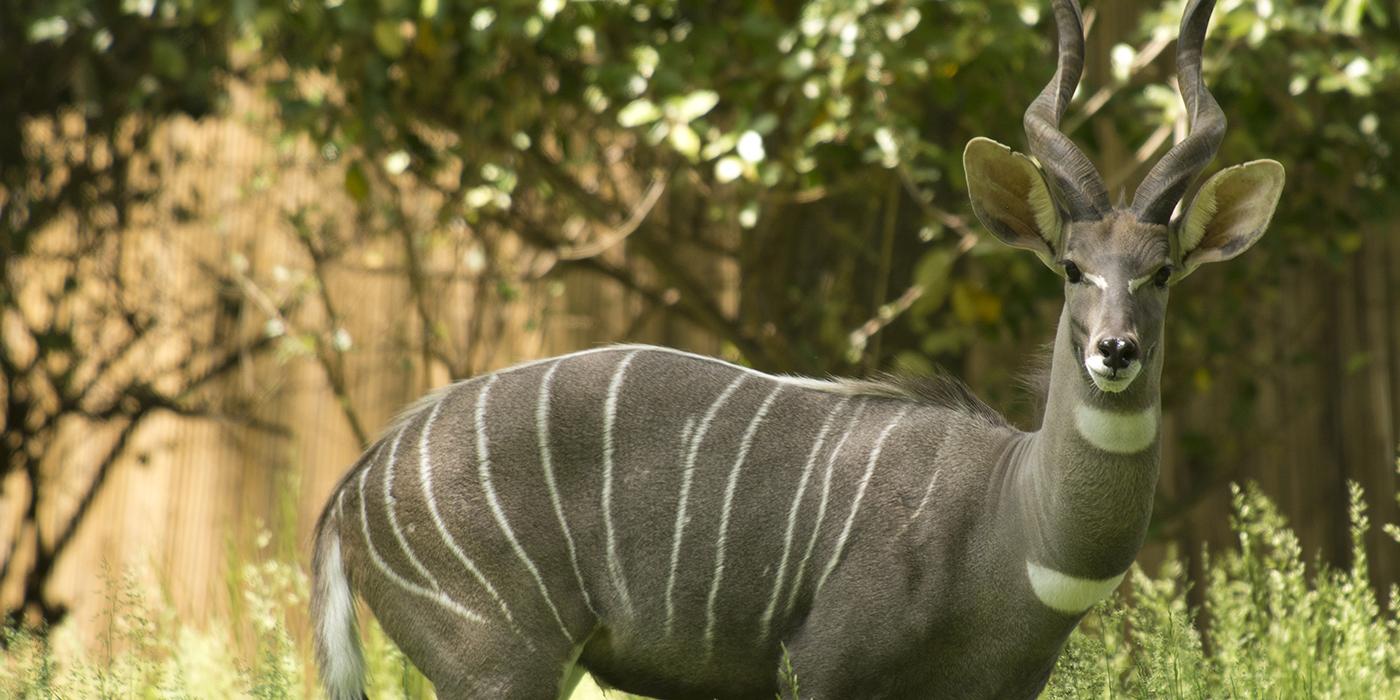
pixel 1114 431
pixel 1098 281
pixel 1108 380
pixel 1068 594
pixel 1134 285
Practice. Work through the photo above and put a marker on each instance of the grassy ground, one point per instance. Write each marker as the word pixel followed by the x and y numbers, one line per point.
pixel 1278 629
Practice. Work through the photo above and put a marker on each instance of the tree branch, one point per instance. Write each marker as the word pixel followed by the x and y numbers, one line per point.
pixel 333 365
pixel 104 468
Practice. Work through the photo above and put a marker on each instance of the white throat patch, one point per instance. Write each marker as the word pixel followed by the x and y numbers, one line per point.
pixel 1068 594
pixel 1116 432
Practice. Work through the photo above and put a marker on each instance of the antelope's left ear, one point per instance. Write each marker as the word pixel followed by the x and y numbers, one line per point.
pixel 1229 213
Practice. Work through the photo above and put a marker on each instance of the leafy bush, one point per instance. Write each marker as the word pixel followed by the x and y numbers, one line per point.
pixel 1276 629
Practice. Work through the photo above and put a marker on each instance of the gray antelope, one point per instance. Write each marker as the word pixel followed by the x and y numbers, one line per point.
pixel 674 524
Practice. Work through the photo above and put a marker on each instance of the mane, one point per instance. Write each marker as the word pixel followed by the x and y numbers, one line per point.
pixel 1035 380
pixel 413 410
pixel 940 389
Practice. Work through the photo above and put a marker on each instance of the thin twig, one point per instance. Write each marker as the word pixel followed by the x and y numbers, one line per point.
pixel 618 235
pixel 332 362
pixel 883 317
pixel 882 273
pixel 1106 93
pixel 693 296
pixel 1141 157
pixel 99 478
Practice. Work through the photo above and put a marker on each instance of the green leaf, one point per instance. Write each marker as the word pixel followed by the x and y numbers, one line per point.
pixel 48 29
pixel 356 184
pixel 637 113
pixel 690 107
pixel 684 140
pixel 388 38
pixel 168 59
pixel 934 274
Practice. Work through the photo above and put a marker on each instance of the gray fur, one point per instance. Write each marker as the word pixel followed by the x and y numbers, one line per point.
pixel 898 590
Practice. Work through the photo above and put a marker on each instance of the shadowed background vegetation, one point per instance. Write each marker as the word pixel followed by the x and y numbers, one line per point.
pixel 237 236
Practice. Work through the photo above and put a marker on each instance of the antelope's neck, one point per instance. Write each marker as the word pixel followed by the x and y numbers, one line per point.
pixel 1087 477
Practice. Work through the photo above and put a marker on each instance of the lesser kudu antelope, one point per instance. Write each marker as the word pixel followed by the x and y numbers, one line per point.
pixel 674 524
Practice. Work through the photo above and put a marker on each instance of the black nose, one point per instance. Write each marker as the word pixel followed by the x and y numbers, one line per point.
pixel 1118 353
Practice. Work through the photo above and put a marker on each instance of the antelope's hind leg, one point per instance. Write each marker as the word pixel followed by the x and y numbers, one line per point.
pixel 501 668
pixel 478 659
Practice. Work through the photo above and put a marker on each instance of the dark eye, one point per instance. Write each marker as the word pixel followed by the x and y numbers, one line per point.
pixel 1072 272
pixel 1163 275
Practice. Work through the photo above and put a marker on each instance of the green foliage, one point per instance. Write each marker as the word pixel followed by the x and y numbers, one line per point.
pixel 757 101
pixel 1276 626
pixel 788 687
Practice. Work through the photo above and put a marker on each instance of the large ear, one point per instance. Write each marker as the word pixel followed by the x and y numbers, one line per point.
pixel 1010 196
pixel 1229 213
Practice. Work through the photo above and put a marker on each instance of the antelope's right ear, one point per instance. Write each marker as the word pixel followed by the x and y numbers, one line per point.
pixel 1011 198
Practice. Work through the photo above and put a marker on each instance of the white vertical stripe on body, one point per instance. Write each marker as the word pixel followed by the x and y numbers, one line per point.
pixel 928 493
pixel 426 481
pixel 860 494
pixel 821 506
pixel 744 444
pixel 619 577
pixel 547 464
pixel 1070 595
pixel 483 465
pixel 394 518
pixel 436 596
pixel 687 430
pixel 766 620
pixel 687 475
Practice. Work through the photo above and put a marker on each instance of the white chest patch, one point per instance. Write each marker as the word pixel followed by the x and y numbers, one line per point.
pixel 1113 431
pixel 1068 594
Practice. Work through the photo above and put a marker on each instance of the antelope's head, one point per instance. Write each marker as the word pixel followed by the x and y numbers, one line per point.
pixel 1117 262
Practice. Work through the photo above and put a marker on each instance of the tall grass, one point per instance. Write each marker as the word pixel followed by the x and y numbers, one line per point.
pixel 1277 629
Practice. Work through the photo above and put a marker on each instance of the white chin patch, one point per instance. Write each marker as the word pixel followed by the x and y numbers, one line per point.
pixel 1108 379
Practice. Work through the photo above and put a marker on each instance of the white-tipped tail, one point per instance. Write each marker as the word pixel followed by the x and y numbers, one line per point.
pixel 333 622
